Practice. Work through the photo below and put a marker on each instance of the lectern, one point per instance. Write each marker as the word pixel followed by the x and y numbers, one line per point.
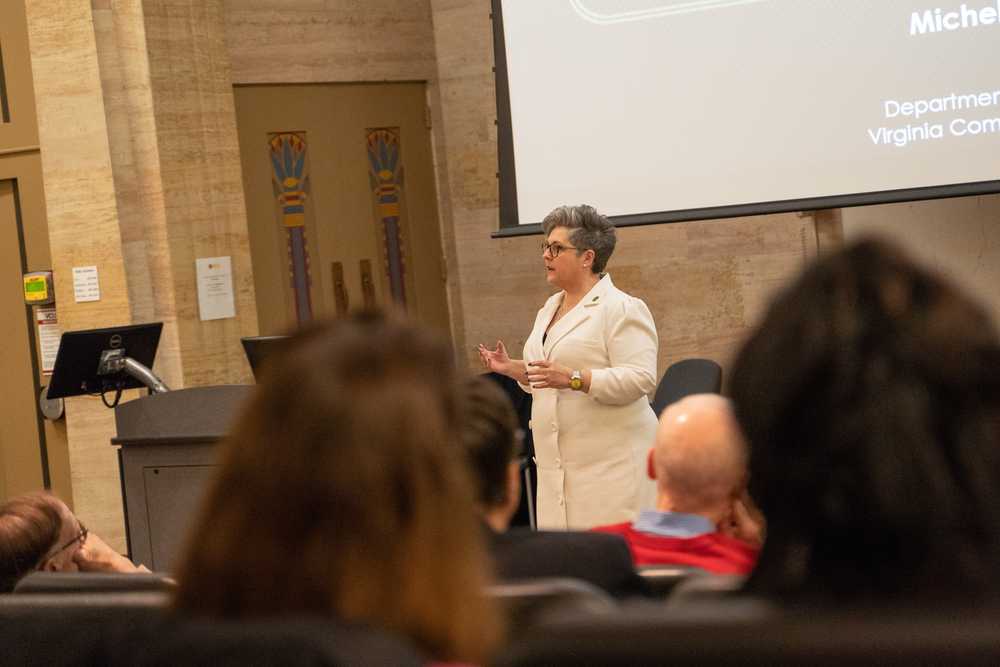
pixel 167 455
pixel 167 439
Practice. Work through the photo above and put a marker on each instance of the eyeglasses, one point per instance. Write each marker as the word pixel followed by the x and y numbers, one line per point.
pixel 555 248
pixel 81 538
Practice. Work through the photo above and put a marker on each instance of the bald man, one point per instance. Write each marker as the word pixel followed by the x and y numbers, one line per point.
pixel 702 517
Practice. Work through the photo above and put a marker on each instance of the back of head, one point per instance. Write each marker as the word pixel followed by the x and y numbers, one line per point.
pixel 341 492
pixel 700 457
pixel 869 397
pixel 29 529
pixel 488 436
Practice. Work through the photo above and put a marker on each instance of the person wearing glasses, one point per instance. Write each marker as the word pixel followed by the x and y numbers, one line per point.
pixel 38 532
pixel 590 364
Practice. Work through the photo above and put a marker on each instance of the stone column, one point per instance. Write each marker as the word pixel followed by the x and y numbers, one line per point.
pixel 83 230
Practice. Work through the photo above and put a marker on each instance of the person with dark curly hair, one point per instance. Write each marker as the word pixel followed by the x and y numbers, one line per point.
pixel 869 396
pixel 590 364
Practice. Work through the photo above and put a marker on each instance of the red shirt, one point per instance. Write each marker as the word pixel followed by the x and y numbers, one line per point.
pixel 712 552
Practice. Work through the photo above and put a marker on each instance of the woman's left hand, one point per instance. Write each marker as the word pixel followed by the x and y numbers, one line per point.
pixel 548 375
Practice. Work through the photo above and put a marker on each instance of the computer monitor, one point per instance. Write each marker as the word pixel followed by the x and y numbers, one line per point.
pixel 259 348
pixel 80 355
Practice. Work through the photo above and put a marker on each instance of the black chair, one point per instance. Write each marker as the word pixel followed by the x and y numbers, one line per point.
pixel 92 582
pixel 742 632
pixel 521 400
pixel 684 378
pixel 662 580
pixel 139 630
pixel 528 602
pixel 707 586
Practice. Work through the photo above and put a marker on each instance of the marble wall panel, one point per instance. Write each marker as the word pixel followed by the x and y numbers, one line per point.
pixel 83 230
pixel 303 41
pixel 191 125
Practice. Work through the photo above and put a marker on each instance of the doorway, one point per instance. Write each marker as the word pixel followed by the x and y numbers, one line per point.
pixel 23 457
pixel 341 202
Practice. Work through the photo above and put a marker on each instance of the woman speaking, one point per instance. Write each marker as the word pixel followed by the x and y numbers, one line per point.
pixel 589 363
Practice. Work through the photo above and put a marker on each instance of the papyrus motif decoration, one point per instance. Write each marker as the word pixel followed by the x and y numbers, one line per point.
pixel 385 174
pixel 291 189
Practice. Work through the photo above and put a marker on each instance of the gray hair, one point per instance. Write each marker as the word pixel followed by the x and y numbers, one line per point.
pixel 589 230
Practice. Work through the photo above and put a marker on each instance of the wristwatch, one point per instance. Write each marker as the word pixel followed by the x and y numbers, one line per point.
pixel 576 380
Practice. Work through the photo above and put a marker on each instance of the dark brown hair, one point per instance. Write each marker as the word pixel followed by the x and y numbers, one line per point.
pixel 489 437
pixel 869 396
pixel 342 492
pixel 29 528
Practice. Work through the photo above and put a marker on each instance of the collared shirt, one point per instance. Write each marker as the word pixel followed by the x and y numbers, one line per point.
pixel 672 524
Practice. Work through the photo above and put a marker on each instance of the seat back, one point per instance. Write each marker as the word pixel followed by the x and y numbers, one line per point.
pixel 138 629
pixel 529 601
pixel 662 580
pixel 92 582
pixel 684 378
pixel 731 633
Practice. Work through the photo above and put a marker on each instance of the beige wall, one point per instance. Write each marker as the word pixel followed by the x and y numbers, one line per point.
pixel 308 41
pixel 83 229
pixel 142 176
pixel 958 237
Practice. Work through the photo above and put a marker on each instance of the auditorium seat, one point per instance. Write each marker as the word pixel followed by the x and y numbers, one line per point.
pixel 138 629
pixel 742 631
pixel 92 582
pixel 661 580
pixel 527 602
pixel 684 378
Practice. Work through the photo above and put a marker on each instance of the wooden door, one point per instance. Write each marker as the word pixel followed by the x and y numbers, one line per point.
pixel 33 453
pixel 21 432
pixel 341 203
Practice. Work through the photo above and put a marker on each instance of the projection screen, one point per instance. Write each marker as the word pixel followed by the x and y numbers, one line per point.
pixel 658 110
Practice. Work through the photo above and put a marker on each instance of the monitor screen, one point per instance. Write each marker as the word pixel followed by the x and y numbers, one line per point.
pixel 79 355
pixel 259 348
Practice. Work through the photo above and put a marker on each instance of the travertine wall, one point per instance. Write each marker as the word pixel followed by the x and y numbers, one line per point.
pixel 172 123
pixel 197 154
pixel 142 176
pixel 958 237
pixel 309 41
pixel 83 230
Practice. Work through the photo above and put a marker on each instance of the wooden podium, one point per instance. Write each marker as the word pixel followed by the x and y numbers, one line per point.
pixel 167 455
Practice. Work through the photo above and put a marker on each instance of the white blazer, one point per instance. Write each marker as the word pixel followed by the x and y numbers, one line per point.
pixel 590 448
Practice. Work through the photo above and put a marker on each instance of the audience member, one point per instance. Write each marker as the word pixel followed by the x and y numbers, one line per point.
pixel 701 518
pixel 869 396
pixel 491 440
pixel 39 532
pixel 341 493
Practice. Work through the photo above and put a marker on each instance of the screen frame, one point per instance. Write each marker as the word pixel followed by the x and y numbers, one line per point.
pixel 507 175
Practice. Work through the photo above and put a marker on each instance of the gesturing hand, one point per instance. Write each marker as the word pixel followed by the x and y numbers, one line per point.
pixel 496 360
pixel 546 374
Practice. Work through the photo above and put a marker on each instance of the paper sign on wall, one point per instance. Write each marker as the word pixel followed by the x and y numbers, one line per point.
pixel 215 288
pixel 85 284
pixel 48 337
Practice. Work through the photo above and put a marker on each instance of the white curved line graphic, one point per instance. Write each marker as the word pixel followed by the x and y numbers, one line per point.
pixel 654 12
